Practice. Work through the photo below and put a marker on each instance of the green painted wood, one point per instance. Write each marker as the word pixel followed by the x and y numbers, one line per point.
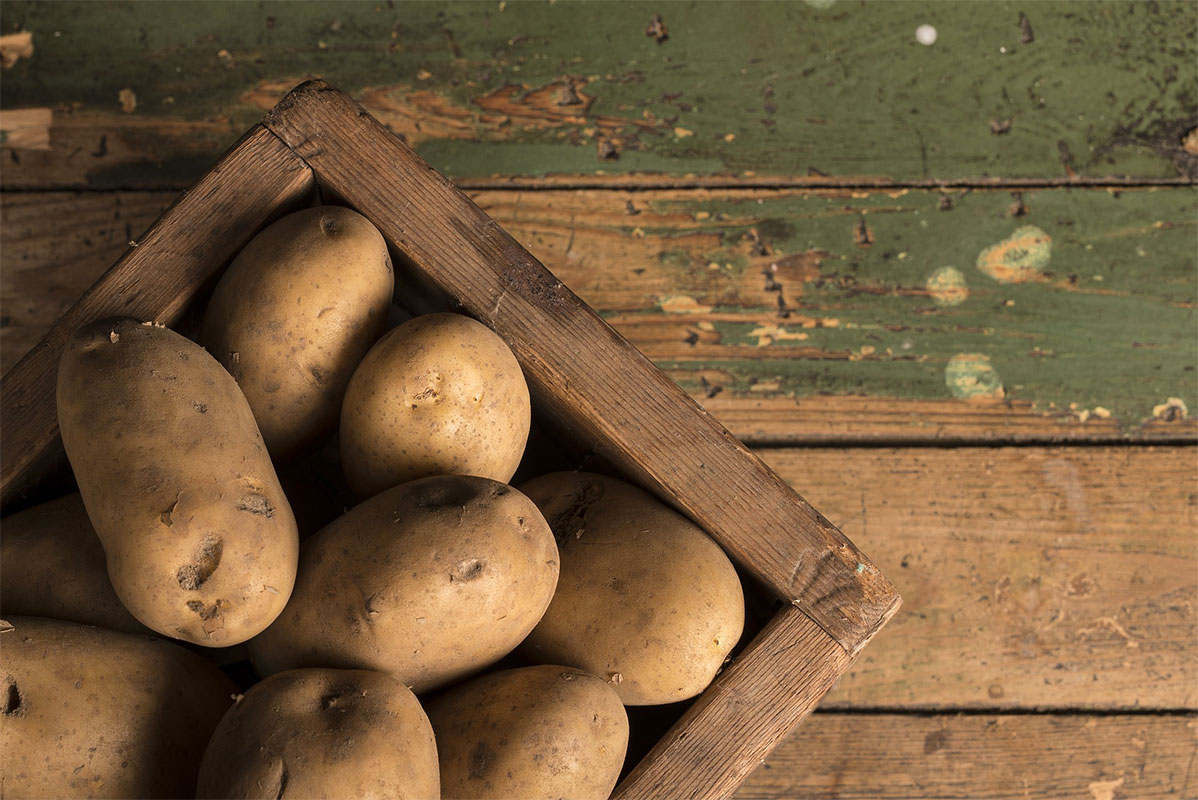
pixel 1092 344
pixel 1077 302
pixel 149 93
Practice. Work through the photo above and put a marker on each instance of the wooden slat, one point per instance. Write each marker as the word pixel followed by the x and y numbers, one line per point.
pixel 1094 360
pixel 183 250
pixel 1032 577
pixel 1038 757
pixel 780 676
pixel 604 390
pixel 147 94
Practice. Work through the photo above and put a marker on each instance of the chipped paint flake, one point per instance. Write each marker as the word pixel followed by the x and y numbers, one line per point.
pixel 947 286
pixel 682 304
pixel 1020 258
pixel 128 100
pixel 971 377
pixel 26 128
pixel 1105 790
pixel 1174 408
pixel 14 47
pixel 768 334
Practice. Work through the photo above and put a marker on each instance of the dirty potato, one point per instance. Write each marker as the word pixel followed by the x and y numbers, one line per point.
pixel 429 581
pixel 95 713
pixel 52 565
pixel 201 544
pixel 538 733
pixel 323 733
pixel 646 600
pixel 293 315
pixel 439 395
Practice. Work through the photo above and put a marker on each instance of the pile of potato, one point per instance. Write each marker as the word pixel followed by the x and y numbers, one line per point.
pixel 376 639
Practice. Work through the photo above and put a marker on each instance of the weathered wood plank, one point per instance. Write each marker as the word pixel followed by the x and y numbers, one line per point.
pixel 1031 577
pixel 147 94
pixel 894 757
pixel 1089 346
pixel 742 716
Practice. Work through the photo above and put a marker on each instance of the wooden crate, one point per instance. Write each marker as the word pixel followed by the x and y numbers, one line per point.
pixel 585 379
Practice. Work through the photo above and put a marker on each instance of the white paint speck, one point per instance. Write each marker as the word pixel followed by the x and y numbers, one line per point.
pixel 925 35
pixel 1002 49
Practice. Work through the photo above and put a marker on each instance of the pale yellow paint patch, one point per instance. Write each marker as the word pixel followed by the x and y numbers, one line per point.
pixel 1105 790
pixel 1102 413
pixel 14 47
pixel 682 133
pixel 1020 258
pixel 947 286
pixel 768 334
pixel 971 377
pixel 1172 409
pixel 682 304
pixel 128 100
pixel 26 128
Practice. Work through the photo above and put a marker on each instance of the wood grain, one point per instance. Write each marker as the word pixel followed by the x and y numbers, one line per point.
pixel 155 279
pixel 949 757
pixel 734 352
pixel 581 372
pixel 1032 577
pixel 742 90
pixel 749 708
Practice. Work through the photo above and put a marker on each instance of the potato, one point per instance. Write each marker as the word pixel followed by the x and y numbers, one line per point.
pixel 539 732
pixel 429 581
pixel 294 314
pixel 439 395
pixel 200 541
pixel 95 713
pixel 52 565
pixel 646 600
pixel 323 733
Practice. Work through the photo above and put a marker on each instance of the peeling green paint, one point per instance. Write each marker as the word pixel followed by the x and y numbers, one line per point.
pixel 1106 88
pixel 1106 331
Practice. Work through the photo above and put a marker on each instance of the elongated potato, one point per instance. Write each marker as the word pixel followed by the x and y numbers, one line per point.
pixel 200 541
pixel 52 565
pixel 323 733
pixel 294 314
pixel 429 581
pixel 538 733
pixel 94 713
pixel 645 600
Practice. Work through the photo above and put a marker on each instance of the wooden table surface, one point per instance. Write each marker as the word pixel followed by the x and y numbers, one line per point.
pixel 948 290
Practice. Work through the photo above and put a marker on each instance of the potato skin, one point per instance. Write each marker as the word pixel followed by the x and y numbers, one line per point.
pixel 201 544
pixel 52 565
pixel 645 599
pixel 293 315
pixel 538 732
pixel 96 713
pixel 323 733
pixel 440 394
pixel 429 581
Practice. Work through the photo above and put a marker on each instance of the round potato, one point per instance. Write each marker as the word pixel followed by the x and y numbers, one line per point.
pixel 323 733
pixel 201 544
pixel 646 600
pixel 429 581
pixel 539 732
pixel 293 315
pixel 96 713
pixel 439 395
pixel 52 565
